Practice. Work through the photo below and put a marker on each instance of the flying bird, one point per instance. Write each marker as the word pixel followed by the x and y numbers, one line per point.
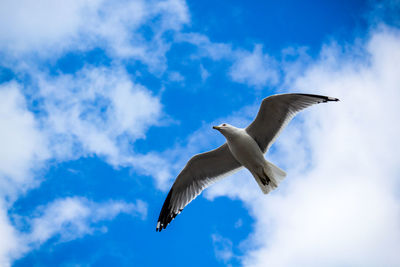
pixel 243 148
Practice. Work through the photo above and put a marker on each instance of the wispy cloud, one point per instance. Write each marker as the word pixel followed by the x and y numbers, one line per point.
pixel 204 74
pixel 206 47
pixel 175 76
pixel 63 219
pixel 254 68
pixel 71 218
pixel 222 248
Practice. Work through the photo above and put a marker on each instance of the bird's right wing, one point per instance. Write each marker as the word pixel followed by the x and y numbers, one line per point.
pixel 201 171
pixel 276 112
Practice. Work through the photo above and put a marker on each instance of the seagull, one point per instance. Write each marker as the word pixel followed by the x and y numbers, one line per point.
pixel 243 148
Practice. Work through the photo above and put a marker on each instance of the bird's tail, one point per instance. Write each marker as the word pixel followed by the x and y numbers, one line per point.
pixel 270 177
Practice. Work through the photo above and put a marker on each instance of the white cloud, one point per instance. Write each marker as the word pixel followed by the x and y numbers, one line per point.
pixel 23 146
pixel 203 73
pixel 64 219
pixel 222 248
pixel 155 165
pixel 339 204
pixel 206 48
pixel 175 76
pixel 97 111
pixel 12 245
pixel 27 25
pixel 71 218
pixel 254 69
pixel 47 29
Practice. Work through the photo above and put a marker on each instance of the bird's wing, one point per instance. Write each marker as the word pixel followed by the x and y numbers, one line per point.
pixel 276 112
pixel 200 171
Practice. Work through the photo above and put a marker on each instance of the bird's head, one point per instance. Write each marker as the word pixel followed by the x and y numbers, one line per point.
pixel 225 129
pixel 221 127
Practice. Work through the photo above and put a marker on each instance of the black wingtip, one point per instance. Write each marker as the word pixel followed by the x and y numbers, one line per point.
pixel 165 215
pixel 332 99
pixel 324 98
pixel 158 228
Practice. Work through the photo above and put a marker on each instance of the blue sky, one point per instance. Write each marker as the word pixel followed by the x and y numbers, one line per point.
pixel 103 102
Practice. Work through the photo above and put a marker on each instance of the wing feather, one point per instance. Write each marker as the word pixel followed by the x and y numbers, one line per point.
pixel 276 112
pixel 201 171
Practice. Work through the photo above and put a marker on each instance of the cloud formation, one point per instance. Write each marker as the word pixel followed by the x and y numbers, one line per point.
pixel 71 218
pixel 64 219
pixel 46 30
pixel 339 203
pixel 252 68
pixel 95 111
pixel 222 248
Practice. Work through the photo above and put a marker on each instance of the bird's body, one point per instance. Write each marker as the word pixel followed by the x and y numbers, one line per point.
pixel 243 148
pixel 247 152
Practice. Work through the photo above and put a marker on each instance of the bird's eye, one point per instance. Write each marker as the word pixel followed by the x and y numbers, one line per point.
pixel 224 124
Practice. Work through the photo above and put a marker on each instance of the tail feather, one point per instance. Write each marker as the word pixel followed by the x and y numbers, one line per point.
pixel 271 173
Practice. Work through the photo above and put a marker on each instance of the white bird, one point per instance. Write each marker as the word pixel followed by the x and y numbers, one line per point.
pixel 243 148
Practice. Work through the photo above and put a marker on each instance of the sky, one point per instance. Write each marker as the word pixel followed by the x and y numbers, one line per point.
pixel 102 103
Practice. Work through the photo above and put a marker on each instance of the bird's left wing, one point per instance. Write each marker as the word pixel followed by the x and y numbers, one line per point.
pixel 200 171
pixel 276 112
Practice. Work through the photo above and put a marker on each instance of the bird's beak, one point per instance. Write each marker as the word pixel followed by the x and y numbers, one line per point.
pixel 216 127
